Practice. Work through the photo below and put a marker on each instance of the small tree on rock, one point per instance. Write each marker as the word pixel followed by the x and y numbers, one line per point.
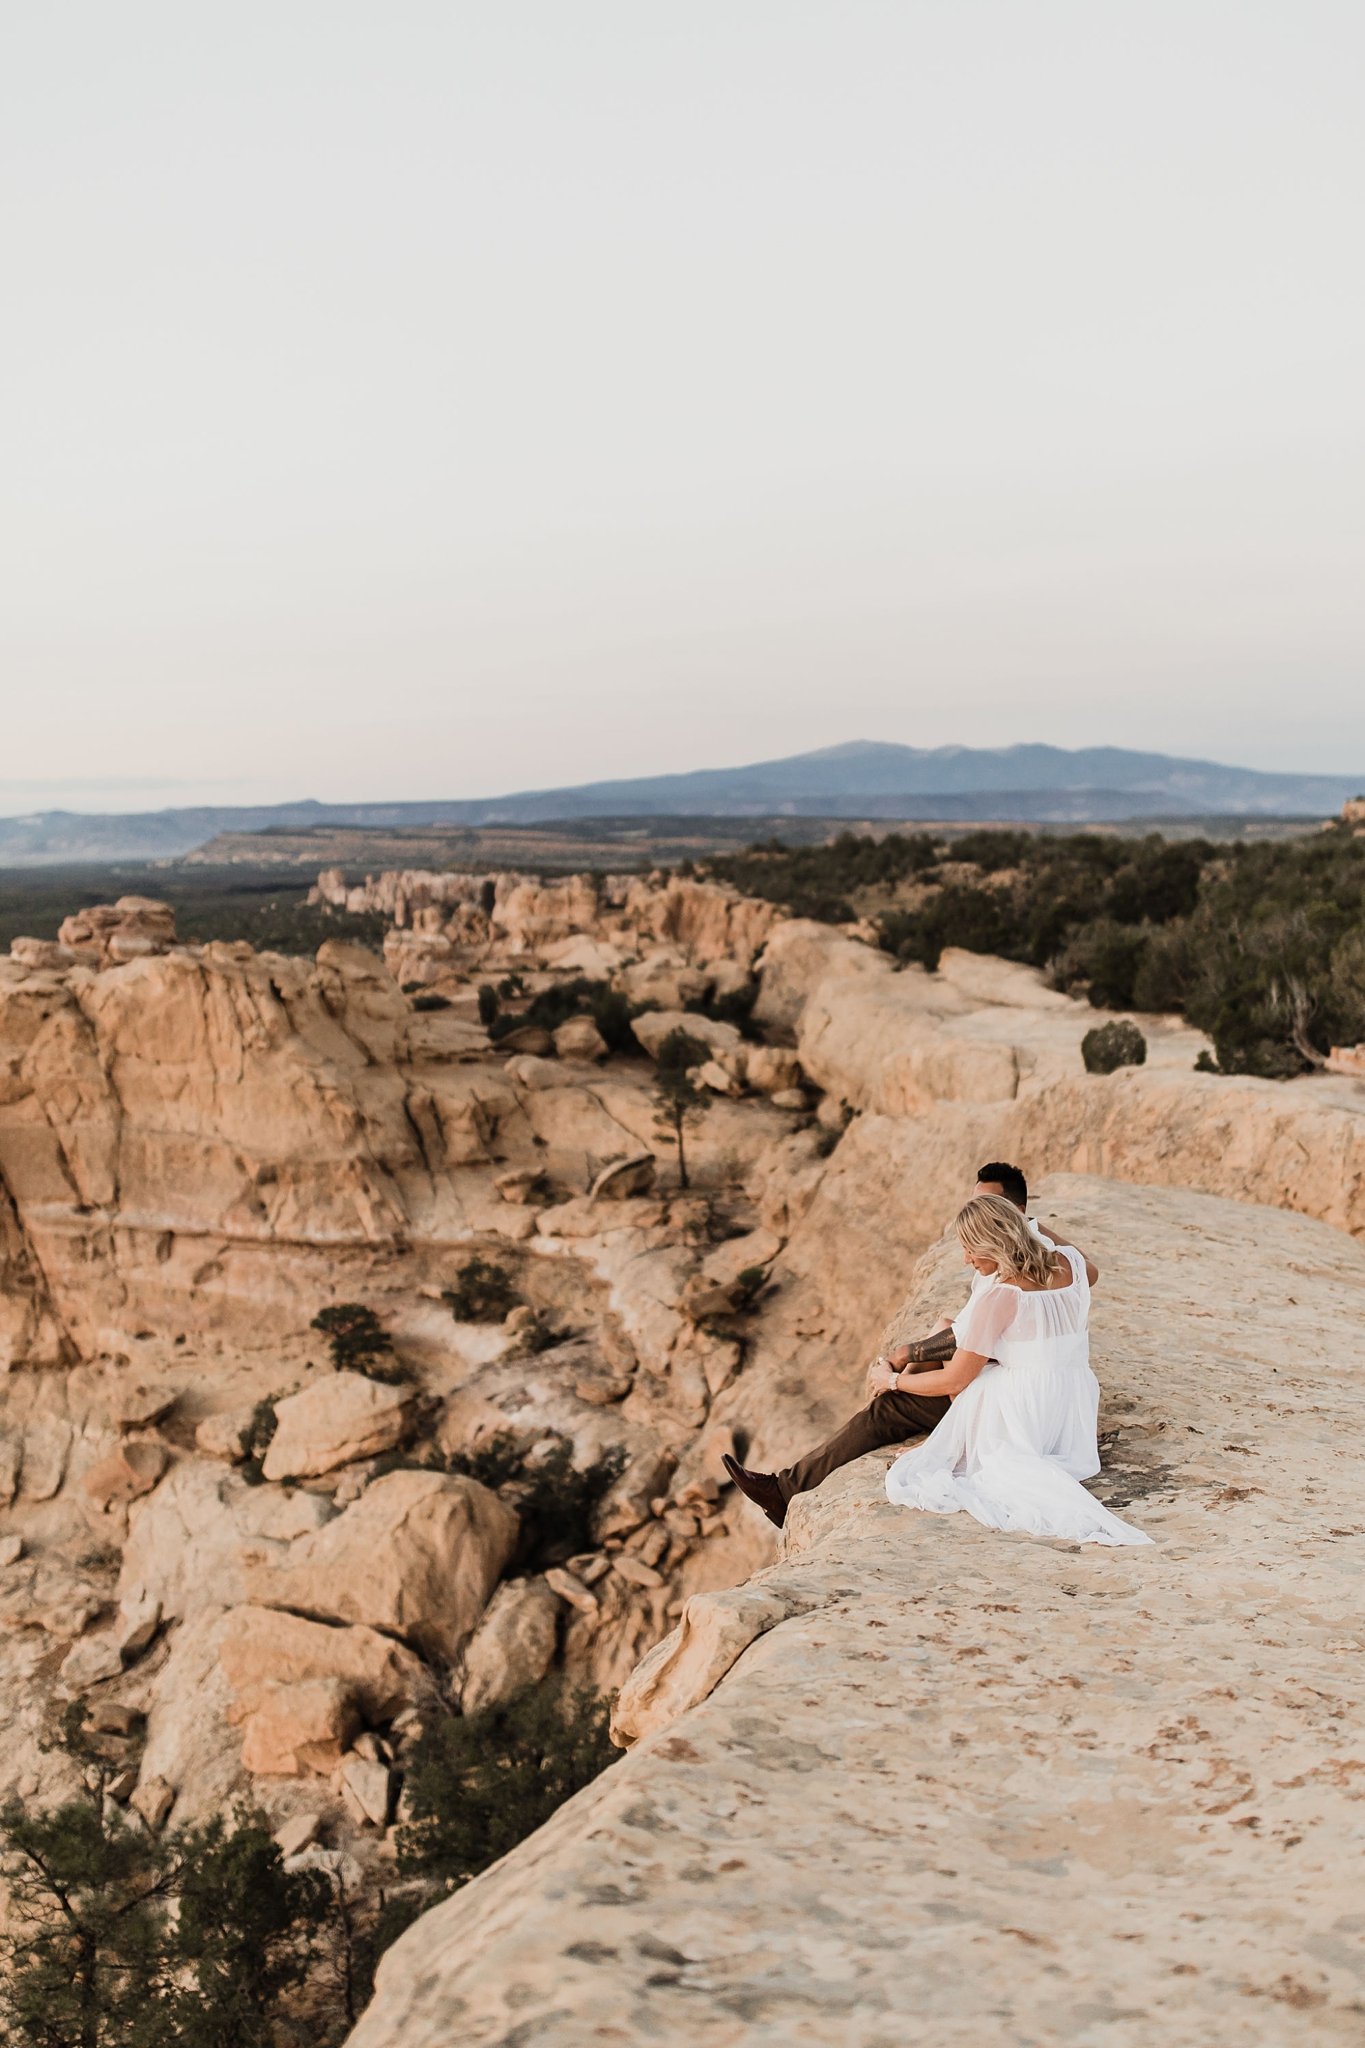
pixel 355 1335
pixel 678 1101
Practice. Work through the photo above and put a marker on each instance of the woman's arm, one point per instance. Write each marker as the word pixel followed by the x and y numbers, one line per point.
pixel 950 1379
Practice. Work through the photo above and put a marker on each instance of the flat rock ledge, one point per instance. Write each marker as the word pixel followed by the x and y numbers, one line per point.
pixel 954 1787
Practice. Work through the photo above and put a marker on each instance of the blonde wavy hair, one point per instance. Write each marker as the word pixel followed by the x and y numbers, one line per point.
pixel 993 1228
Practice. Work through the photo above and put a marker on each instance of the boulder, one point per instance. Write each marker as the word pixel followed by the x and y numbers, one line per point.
pixel 532 1040
pixel 513 1646
pixel 43 1457
pixel 133 1469
pixel 11 1550
pixel 153 1800
pixel 367 1789
pixel 663 981
pixel 655 1025
pixel 295 1729
pixel 296 1834
pixel 136 1627
pixel 571 1588
pixel 89 1662
pixel 260 1648
pixel 227 1434
pixel 334 1422
pixel 417 1555
pixel 106 933
pixel 622 1179
pixel 635 1571
pixel 578 1038
pixel 113 1717
pixel 773 1069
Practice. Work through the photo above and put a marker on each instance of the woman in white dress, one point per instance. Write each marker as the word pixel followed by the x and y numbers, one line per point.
pixel 1020 1435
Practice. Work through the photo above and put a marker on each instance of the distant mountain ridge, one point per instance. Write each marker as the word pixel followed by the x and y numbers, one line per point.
pixel 861 779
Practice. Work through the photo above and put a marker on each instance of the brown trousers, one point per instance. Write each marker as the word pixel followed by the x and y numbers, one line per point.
pixel 888 1419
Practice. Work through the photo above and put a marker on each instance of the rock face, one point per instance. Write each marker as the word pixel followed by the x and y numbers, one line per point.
pixel 980 1787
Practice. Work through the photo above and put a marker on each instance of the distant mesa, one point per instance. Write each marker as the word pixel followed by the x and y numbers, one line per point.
pixel 865 779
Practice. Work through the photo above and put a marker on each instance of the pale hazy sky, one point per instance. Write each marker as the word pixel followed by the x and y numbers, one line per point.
pixel 418 399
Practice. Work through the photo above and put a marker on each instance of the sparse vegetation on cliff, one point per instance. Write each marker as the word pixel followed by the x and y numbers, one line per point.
pixel 607 1007
pixel 1262 945
pixel 677 1099
pixel 480 1783
pixel 119 1937
pixel 554 1501
pixel 483 1292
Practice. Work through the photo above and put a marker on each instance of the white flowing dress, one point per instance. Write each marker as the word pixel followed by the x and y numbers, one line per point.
pixel 1015 1445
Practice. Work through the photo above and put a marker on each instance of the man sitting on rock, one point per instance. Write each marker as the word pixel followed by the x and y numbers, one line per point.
pixel 894 1413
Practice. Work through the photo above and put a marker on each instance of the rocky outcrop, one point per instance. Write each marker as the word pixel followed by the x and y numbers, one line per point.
pixel 618 915
pixel 919 1775
pixel 984 1057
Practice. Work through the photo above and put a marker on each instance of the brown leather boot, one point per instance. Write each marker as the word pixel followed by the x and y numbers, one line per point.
pixel 759 1487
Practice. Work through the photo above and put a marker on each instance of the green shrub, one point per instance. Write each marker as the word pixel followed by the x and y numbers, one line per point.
pixel 479 1784
pixel 555 1502
pixel 749 1285
pixel 483 1293
pixel 1105 959
pixel 580 997
pixel 1111 1046
pixel 355 1337
pixel 734 1006
pixel 260 1432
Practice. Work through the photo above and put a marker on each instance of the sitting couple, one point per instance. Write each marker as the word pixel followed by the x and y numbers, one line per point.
pixel 1003 1394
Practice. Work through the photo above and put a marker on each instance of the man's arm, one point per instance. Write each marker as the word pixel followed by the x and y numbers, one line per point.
pixel 1092 1271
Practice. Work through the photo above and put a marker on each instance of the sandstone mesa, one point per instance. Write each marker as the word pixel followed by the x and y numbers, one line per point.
pixel 202 1146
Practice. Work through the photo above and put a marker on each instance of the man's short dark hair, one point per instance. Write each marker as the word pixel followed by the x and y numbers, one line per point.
pixel 1009 1180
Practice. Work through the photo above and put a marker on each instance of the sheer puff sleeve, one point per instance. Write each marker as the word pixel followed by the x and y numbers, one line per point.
pixel 985 1320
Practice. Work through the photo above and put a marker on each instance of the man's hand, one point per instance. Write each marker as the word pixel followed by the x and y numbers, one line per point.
pixel 881 1376
pixel 897 1359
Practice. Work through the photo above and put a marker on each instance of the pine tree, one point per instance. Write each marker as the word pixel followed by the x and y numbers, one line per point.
pixel 86 1960
pixel 678 1101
